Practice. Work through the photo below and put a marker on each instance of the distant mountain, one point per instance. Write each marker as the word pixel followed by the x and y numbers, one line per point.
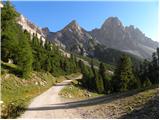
pixel 73 38
pixel 113 34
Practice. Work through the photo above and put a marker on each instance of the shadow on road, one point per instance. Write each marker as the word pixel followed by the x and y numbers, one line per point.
pixel 62 84
pixel 149 111
pixel 88 102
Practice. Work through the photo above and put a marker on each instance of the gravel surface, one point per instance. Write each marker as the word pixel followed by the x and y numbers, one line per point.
pixel 123 105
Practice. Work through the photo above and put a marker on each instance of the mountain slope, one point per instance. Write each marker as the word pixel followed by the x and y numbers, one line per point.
pixel 113 34
pixel 73 38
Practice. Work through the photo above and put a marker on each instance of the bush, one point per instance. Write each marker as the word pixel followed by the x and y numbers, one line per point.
pixel 147 83
pixel 12 109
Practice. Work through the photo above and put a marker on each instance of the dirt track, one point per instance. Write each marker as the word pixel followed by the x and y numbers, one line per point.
pixel 45 100
pixel 51 105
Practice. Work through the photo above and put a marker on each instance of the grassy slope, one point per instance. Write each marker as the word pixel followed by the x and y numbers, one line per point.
pixel 17 92
pixel 75 91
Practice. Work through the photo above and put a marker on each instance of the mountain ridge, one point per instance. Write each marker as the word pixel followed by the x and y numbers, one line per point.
pixel 112 34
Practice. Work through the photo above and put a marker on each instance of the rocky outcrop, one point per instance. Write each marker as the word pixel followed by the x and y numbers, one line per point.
pixel 35 30
pixel 30 27
pixel 73 38
pixel 113 34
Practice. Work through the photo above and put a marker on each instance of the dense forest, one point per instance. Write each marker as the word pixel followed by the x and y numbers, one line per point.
pixel 126 76
pixel 28 52
pixel 111 56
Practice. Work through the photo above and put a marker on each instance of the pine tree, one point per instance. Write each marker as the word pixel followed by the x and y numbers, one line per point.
pixel 124 76
pixel 8 15
pixel 15 43
pixel 144 71
pixel 81 66
pixel 94 76
pixel 24 53
pixel 9 29
pixel 99 83
pixel 106 81
pixel 154 68
pixel 149 70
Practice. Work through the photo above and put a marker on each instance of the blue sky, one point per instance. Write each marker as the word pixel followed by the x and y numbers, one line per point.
pixel 90 15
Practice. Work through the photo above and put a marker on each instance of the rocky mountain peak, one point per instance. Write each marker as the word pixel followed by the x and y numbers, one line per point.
pixel 45 31
pixel 73 22
pixel 112 22
pixel 74 26
pixel 112 34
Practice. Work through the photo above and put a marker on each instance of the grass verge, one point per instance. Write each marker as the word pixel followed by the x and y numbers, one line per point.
pixel 16 92
pixel 74 90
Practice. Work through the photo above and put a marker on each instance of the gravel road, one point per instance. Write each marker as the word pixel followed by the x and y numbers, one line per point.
pixel 51 105
pixel 45 100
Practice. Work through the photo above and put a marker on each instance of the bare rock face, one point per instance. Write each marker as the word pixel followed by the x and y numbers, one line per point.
pixel 73 37
pixel 30 27
pixel 113 34
pixel 45 31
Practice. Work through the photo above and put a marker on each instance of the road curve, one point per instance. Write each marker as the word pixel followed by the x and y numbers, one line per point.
pixel 50 105
pixel 46 99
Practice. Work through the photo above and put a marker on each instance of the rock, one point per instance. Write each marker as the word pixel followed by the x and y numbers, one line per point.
pixel 69 96
pixel 36 83
pixel 6 76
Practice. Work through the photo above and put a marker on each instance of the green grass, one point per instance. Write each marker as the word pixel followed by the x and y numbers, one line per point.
pixel 10 68
pixel 77 92
pixel 72 76
pixel 18 92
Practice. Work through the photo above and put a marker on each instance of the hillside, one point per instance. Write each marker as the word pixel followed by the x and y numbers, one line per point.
pixel 17 92
pixel 112 56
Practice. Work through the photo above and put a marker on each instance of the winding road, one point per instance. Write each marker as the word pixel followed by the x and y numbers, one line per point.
pixel 51 105
pixel 47 99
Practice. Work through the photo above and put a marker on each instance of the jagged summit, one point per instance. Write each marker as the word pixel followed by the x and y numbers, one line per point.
pixel 112 34
pixel 73 25
pixel 112 21
pixel 73 22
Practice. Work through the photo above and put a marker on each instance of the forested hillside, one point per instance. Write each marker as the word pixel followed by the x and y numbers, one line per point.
pixel 112 56
pixel 28 52
pixel 126 76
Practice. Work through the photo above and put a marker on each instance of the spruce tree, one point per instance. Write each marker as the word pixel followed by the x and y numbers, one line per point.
pixel 106 81
pixel 9 30
pixel 15 44
pixel 24 53
pixel 99 83
pixel 124 77
pixel 144 71
pixel 154 68
pixel 94 75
